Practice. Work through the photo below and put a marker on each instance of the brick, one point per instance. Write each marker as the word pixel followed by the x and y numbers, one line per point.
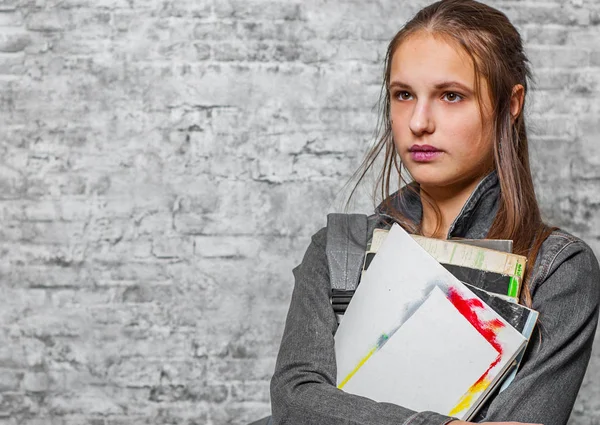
pixel 143 293
pixel 553 126
pixel 326 167
pixel 49 276
pixel 346 22
pixel 196 10
pixel 219 30
pixel 46 255
pixel 261 51
pixel 89 401
pixel 136 321
pixel 543 151
pixel 588 206
pixel 546 12
pixel 22 352
pixel 272 212
pixel 10 379
pixel 45 210
pixel 66 298
pixel 224 370
pixel 226 246
pixel 15 403
pixel 35 382
pixel 155 346
pixel 159 39
pixel 64 376
pixel 121 250
pixel 69 5
pixel 267 10
pixel 595 58
pixel 584 81
pixel 290 31
pixel 128 273
pixel 192 392
pixel 553 102
pixel 25 300
pixel 132 419
pixel 47 21
pixel 589 146
pixel 13 42
pixel 275 170
pixel 556 58
pixel 540 34
pixel 262 341
pixel 12 182
pixel 8 5
pixel 587 220
pixel 172 247
pixel 583 37
pixel 188 413
pixel 361 50
pixel 191 147
pixel 53 325
pixel 250 391
pixel 43 420
pixel 14 232
pixel 595 17
pixel 134 373
pixel 239 413
pixel 10 18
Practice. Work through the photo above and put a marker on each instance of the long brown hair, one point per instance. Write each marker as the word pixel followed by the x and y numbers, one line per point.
pixel 496 50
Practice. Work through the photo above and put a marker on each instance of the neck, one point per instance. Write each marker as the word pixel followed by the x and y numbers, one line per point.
pixel 449 201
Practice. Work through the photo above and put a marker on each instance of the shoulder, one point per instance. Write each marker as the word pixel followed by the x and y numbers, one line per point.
pixel 565 262
pixel 319 239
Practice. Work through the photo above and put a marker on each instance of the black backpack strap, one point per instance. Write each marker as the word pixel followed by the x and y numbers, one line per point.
pixel 345 249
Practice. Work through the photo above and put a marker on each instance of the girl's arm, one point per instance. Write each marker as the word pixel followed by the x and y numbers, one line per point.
pixel 567 296
pixel 303 387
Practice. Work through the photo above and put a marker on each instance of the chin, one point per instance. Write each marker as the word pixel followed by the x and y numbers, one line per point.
pixel 431 177
pixel 451 182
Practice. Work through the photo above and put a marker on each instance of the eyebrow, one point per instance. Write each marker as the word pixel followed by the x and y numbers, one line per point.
pixel 439 86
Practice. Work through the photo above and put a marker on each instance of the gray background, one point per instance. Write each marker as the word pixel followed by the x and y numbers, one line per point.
pixel 164 163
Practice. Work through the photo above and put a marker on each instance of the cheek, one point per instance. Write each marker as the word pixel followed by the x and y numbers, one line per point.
pixel 464 125
pixel 400 119
pixel 468 133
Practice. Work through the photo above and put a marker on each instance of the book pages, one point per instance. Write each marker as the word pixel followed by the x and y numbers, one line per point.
pixel 397 283
pixel 429 381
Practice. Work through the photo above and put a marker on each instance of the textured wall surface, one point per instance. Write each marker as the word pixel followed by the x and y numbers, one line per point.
pixel 164 163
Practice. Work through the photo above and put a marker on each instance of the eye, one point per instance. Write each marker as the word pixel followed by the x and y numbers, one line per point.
pixel 403 95
pixel 453 97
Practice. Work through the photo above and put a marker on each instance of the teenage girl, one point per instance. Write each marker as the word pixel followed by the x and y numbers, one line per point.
pixel 453 104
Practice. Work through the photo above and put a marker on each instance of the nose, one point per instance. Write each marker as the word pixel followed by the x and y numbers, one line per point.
pixel 421 121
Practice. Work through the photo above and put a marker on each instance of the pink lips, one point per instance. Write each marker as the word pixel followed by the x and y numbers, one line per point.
pixel 424 153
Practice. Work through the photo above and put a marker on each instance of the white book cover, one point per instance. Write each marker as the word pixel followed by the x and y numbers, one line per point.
pixel 415 336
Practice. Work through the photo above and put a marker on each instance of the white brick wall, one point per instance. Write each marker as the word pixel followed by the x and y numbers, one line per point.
pixel 164 164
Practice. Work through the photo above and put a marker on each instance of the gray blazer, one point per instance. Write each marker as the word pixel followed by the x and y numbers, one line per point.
pixel 565 290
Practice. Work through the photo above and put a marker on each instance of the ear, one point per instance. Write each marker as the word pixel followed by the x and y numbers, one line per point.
pixel 516 101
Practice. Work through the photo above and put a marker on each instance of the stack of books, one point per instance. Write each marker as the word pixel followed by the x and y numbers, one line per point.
pixel 434 324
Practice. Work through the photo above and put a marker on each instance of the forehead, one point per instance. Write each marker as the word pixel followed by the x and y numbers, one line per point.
pixel 424 59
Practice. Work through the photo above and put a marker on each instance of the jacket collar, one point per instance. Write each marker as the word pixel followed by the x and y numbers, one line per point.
pixel 473 221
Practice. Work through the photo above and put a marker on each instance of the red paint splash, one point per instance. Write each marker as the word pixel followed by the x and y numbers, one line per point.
pixel 487 329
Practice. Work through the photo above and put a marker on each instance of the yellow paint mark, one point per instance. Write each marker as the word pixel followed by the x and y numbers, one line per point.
pixel 466 400
pixel 358 366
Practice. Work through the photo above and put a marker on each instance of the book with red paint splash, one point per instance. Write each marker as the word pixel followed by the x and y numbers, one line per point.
pixel 416 336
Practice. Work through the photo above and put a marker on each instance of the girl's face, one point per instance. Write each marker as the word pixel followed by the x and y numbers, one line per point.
pixel 436 121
